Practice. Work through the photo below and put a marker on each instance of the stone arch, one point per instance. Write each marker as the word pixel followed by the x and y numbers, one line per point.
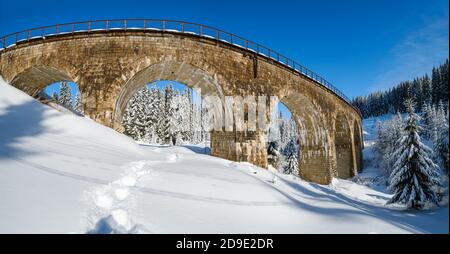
pixel 33 79
pixel 358 145
pixel 343 147
pixel 313 137
pixel 192 76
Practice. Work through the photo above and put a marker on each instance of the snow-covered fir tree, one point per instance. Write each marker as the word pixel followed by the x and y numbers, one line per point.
pixel 290 134
pixel 274 156
pixel 414 178
pixel 188 134
pixel 440 138
pixel 152 113
pixel 78 107
pixel 439 122
pixel 281 132
pixel 428 115
pixel 129 121
pixel 55 97
pixel 65 95
pixel 165 116
pixel 387 135
pixel 274 128
pixel 181 117
pixel 442 148
pixel 205 121
pixel 291 164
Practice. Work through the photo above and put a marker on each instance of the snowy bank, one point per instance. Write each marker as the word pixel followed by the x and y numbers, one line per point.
pixel 62 173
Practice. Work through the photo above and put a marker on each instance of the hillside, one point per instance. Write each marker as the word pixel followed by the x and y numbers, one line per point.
pixel 62 173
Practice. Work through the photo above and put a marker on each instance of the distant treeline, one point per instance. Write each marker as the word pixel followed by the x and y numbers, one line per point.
pixel 424 90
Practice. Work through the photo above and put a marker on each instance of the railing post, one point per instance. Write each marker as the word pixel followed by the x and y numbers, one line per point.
pixel 107 25
pixel 89 26
pixel 28 35
pixel 231 38
pixel 163 25
pixel 268 53
pixel 125 24
pixel 73 28
pixel 145 24
pixel 57 29
pixel 17 37
pixel 4 42
pixel 218 35
pixel 246 44
pixel 182 27
pixel 201 30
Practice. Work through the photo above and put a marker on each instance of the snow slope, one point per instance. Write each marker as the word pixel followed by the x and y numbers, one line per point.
pixel 62 173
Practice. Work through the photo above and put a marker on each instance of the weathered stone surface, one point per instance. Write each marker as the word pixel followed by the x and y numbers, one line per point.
pixel 109 67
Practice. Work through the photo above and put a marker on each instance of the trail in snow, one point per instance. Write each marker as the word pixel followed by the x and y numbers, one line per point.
pixel 110 215
pixel 63 173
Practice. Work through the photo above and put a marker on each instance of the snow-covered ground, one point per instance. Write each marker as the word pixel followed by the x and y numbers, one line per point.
pixel 62 173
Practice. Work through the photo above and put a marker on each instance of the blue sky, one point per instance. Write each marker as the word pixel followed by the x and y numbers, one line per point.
pixel 359 46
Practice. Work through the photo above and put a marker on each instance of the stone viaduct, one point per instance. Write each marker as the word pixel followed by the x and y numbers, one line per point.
pixel 109 65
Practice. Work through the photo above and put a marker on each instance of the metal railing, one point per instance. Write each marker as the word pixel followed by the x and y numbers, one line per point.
pixel 174 26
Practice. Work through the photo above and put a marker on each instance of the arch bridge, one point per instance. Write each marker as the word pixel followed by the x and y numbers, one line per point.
pixel 111 59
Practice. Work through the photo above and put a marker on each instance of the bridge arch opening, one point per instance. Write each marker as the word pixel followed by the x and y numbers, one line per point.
pixel 34 79
pixel 166 112
pixel 51 86
pixel 183 73
pixel 65 94
pixel 283 143
pixel 312 136
pixel 343 147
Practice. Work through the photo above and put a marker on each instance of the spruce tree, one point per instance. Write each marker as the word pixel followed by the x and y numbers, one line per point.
pixel 166 134
pixel 427 90
pixel 65 96
pixel 291 165
pixel 428 116
pixel 78 107
pixel 414 177
pixel 435 85
pixel 443 82
pixel 129 119
pixel 274 156
pixel 442 150
pixel 440 136
pixel 388 133
pixel 161 115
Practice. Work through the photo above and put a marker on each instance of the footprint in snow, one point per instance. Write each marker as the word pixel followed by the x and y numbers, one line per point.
pixel 109 214
pixel 172 158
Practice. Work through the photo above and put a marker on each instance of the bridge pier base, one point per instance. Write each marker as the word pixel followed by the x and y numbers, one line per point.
pixel 240 146
pixel 315 164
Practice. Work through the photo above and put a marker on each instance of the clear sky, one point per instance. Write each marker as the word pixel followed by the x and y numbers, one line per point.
pixel 359 46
